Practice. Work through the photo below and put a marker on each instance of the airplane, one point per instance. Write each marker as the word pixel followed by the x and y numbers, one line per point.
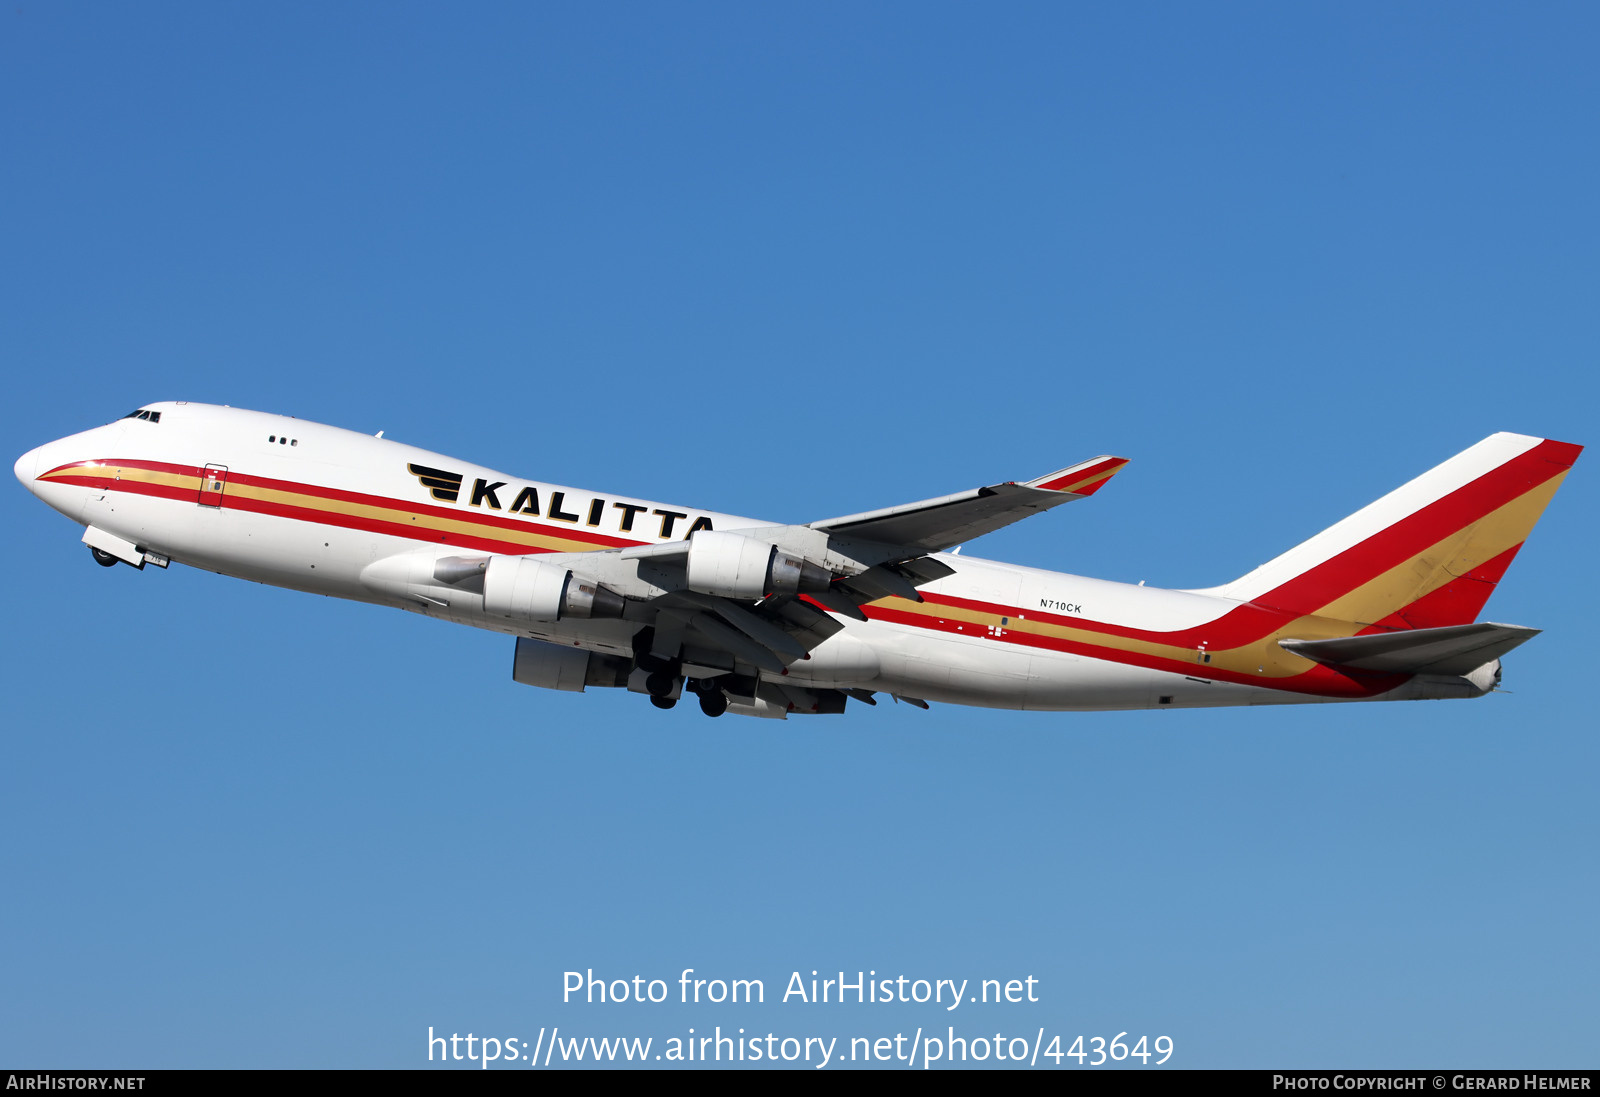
pixel 769 620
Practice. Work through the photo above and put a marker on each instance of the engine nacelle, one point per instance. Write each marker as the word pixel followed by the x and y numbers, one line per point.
pixel 524 588
pixel 553 666
pixel 731 565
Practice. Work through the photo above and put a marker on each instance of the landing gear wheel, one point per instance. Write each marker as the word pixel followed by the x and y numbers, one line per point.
pixel 659 685
pixel 663 702
pixel 103 558
pixel 713 702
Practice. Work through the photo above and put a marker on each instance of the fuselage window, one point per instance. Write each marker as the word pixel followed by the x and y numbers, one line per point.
pixel 272 437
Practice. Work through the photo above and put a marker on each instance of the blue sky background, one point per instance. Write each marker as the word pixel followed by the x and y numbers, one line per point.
pixel 791 264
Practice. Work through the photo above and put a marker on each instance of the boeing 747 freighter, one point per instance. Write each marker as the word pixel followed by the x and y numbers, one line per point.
pixel 771 620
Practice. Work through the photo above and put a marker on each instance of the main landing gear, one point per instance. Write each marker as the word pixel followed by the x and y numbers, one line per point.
pixel 713 702
pixel 663 676
pixel 103 558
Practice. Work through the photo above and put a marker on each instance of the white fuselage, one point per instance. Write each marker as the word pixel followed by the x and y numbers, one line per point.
pixel 317 511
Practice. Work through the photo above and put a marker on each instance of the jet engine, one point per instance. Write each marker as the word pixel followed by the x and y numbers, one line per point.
pixel 731 565
pixel 524 588
pixel 552 666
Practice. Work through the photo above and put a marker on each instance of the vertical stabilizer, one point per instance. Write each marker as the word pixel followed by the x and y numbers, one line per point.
pixel 1427 554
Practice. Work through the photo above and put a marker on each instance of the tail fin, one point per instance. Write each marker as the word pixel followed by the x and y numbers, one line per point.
pixel 1427 554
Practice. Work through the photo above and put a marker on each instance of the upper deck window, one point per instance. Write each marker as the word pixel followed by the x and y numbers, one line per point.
pixel 145 414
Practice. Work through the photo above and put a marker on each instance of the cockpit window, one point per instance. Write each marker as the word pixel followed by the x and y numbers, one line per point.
pixel 145 414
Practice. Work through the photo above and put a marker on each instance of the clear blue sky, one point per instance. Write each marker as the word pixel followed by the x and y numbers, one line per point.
pixel 796 263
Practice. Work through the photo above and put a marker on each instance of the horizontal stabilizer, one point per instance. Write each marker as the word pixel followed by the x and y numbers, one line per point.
pixel 1452 649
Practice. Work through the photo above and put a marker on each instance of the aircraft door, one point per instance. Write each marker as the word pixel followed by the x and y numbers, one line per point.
pixel 213 481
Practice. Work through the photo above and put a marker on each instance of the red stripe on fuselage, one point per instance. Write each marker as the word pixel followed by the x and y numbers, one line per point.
pixel 1317 680
pixel 481 517
pixel 1241 625
pixel 237 502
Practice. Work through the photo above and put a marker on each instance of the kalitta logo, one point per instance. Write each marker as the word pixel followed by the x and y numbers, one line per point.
pixel 443 485
pixel 594 512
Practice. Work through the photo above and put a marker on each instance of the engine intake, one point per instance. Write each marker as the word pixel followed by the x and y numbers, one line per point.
pixel 731 565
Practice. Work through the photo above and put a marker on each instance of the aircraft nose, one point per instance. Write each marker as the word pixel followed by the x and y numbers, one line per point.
pixel 27 467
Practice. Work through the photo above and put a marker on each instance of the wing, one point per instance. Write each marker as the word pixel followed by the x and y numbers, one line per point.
pixel 934 525
pixel 878 554
pixel 861 558
pixel 766 599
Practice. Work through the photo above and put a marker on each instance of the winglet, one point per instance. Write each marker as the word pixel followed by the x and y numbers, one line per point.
pixel 1084 478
